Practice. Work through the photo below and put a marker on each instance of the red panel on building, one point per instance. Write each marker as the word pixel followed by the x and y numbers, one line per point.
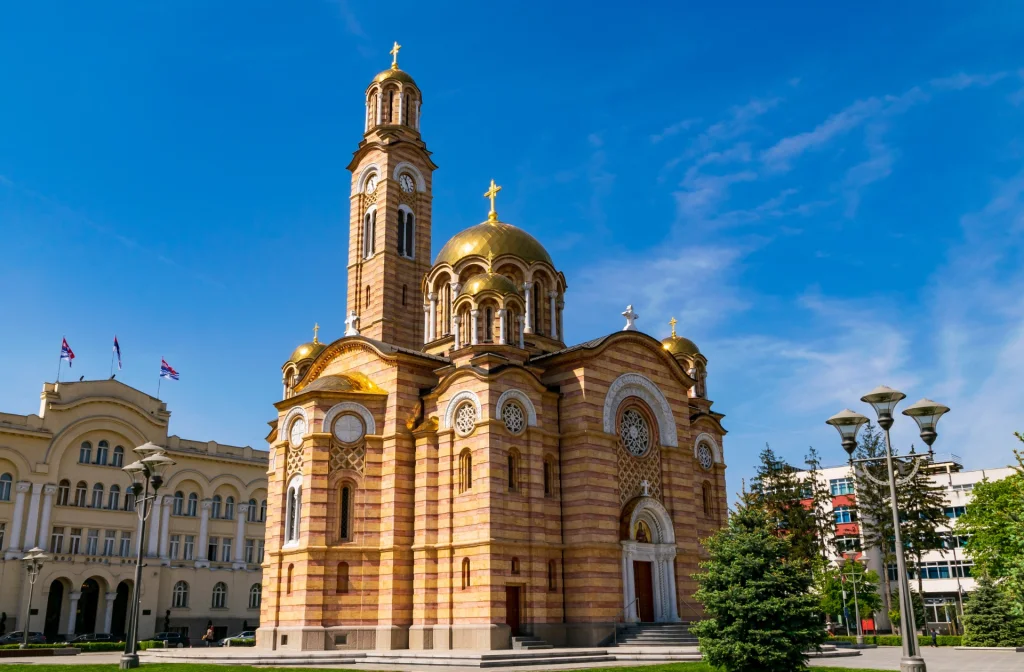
pixel 843 529
pixel 844 500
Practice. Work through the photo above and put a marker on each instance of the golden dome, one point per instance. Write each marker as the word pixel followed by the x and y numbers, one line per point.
pixel 344 382
pixel 489 282
pixel 677 345
pixel 306 351
pixel 396 74
pixel 497 238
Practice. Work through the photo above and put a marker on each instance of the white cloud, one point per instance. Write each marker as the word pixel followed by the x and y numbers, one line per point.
pixel 674 129
pixel 779 156
pixel 961 81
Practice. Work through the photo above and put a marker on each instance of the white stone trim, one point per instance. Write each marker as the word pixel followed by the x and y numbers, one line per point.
pixel 520 396
pixel 465 395
pixel 715 449
pixel 635 385
pixel 654 514
pixel 408 211
pixel 421 184
pixel 282 428
pixel 365 173
pixel 295 482
pixel 350 407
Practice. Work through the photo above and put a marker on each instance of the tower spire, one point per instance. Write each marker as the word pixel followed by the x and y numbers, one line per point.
pixel 394 55
pixel 491 193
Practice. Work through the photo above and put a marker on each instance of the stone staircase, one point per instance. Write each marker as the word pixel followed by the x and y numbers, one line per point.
pixel 529 642
pixel 656 634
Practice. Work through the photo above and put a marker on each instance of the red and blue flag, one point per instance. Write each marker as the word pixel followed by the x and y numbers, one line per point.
pixel 117 349
pixel 166 371
pixel 66 353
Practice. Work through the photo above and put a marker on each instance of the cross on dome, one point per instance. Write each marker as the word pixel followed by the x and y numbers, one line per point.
pixel 394 55
pixel 672 323
pixel 491 193
pixel 630 318
pixel 350 324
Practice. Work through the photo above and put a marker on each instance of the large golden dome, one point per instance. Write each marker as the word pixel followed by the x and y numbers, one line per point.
pixel 489 281
pixel 394 73
pixel 496 238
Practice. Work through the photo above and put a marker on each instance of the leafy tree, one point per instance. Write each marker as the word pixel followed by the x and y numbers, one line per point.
pixel 989 618
pixel 829 586
pixel 762 615
pixel 777 490
pixel 920 618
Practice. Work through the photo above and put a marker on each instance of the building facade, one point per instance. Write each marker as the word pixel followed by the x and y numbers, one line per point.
pixel 62 489
pixel 946 573
pixel 450 473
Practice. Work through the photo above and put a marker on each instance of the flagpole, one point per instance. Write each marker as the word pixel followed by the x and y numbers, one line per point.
pixel 111 362
pixel 61 357
pixel 159 380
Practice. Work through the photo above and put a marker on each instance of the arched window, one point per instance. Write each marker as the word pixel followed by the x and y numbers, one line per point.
pixel 369 232
pixel 114 499
pixel 179 503
pixel 193 504
pixel 118 457
pixel 465 470
pixel 367 303
pixel 215 507
pixel 538 310
pixel 705 491
pixel 389 107
pixel 81 492
pixel 293 505
pixel 406 223
pixel 179 596
pixel 85 453
pixel 5 487
pixel 515 566
pixel 97 496
pixel 63 492
pixel 404 293
pixel 229 508
pixel 488 325
pixel 263 511
pixel 552 582
pixel 255 596
pixel 101 453
pixel 513 469
pixel 220 595
pixel 341 582
pixel 252 515
pixel 345 513
pixel 288 582
pixel 465 573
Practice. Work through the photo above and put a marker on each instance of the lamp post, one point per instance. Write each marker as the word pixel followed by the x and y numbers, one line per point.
pixel 147 471
pixel 856 603
pixel 33 564
pixel 926 413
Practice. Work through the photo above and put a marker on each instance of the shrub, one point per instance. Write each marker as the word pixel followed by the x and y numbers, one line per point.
pixel 243 641
pixel 151 644
pixel 989 618
pixel 93 647
pixel 896 640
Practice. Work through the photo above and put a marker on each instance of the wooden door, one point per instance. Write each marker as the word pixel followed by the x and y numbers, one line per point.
pixel 512 609
pixel 644 586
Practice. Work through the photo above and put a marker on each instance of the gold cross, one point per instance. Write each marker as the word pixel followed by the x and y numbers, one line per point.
pixel 492 216
pixel 394 56
pixel 673 322
pixel 490 258
pixel 316 328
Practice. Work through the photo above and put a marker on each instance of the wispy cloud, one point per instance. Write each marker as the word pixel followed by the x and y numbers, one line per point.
pixel 961 81
pixel 877 166
pixel 674 129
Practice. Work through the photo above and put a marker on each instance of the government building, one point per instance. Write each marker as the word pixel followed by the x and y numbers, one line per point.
pixel 62 489
pixel 450 473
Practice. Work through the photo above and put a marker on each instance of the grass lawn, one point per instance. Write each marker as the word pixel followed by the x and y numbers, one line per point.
pixel 195 667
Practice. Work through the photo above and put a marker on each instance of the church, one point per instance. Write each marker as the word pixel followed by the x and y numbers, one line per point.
pixel 450 474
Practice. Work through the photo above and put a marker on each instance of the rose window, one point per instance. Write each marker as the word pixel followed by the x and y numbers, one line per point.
pixel 465 419
pixel 705 457
pixel 513 416
pixel 633 430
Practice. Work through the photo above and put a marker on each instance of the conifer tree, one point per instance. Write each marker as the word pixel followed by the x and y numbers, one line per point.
pixel 875 514
pixel 776 489
pixel 922 504
pixel 815 488
pixel 989 618
pixel 762 616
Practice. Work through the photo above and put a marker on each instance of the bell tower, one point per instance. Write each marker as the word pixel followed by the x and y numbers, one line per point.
pixel 389 220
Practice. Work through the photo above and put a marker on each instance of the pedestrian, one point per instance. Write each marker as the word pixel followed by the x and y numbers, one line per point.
pixel 208 637
pixel 935 637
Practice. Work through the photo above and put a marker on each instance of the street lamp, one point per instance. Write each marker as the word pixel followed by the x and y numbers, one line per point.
pixel 33 564
pixel 145 472
pixel 856 602
pixel 926 413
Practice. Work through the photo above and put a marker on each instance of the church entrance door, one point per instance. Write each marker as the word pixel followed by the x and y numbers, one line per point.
pixel 512 609
pixel 644 585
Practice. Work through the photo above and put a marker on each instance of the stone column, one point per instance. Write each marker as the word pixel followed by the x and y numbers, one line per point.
pixel 108 615
pixel 239 563
pixel 32 525
pixel 433 315
pixel 366 117
pixel 519 330
pixel 204 525
pixel 380 106
pixel 401 115
pixel 43 539
pixel 629 587
pixel 554 315
pixel 474 327
pixel 527 287
pixel 455 331
pixel 673 599
pixel 154 526
pixel 453 290
pixel 165 530
pixel 417 114
pixel 502 325
pixel 14 545
pixel 426 324
pixel 72 612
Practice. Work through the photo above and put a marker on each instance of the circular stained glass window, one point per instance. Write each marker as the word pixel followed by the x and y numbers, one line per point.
pixel 348 428
pixel 635 434
pixel 705 456
pixel 465 418
pixel 515 419
pixel 296 431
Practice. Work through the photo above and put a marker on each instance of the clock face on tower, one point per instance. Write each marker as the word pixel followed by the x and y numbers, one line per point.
pixel 297 429
pixel 405 182
pixel 371 184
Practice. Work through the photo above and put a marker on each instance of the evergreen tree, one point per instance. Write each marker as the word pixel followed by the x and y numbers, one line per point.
pixel 762 615
pixel 989 618
pixel 815 488
pixel 777 490
pixel 922 504
pixel 920 618
pixel 875 512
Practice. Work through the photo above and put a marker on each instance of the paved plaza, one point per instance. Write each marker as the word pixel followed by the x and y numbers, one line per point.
pixel 939 659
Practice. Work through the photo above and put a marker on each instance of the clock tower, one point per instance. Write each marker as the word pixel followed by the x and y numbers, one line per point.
pixel 389 220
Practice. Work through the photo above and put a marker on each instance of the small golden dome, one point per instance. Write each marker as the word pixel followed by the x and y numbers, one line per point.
pixel 489 282
pixel 496 238
pixel 677 345
pixel 396 74
pixel 306 351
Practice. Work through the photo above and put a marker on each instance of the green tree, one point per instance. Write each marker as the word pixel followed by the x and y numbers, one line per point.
pixel 875 512
pixel 920 618
pixel 922 504
pixel 762 615
pixel 776 489
pixel 989 618
pixel 815 488
pixel 829 586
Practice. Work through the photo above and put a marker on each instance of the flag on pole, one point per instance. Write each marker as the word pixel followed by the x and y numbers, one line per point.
pixel 117 349
pixel 166 371
pixel 65 352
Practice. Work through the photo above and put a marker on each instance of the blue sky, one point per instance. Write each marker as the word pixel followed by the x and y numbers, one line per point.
pixel 826 199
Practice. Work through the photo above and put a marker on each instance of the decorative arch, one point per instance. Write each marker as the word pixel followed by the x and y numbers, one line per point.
pixel 464 395
pixel 71 433
pixel 651 512
pixel 365 173
pixel 189 475
pixel 17 459
pixel 295 412
pixel 520 396
pixel 349 407
pixel 405 166
pixel 635 385
pixel 716 450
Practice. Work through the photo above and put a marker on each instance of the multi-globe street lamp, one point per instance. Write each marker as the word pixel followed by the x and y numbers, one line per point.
pixel 33 560
pixel 147 472
pixel 926 413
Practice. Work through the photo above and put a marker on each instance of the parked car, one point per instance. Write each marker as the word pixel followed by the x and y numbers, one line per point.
pixel 175 640
pixel 95 637
pixel 245 634
pixel 18 638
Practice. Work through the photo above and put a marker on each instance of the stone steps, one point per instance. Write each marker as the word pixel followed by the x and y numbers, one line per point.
pixel 656 634
pixel 529 642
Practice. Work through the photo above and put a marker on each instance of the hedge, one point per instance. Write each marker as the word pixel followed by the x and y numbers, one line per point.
pixel 151 644
pixel 895 640
pixel 240 641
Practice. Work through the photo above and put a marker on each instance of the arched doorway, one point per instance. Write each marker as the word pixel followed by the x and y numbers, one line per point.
pixel 54 604
pixel 85 621
pixel 648 562
pixel 120 607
